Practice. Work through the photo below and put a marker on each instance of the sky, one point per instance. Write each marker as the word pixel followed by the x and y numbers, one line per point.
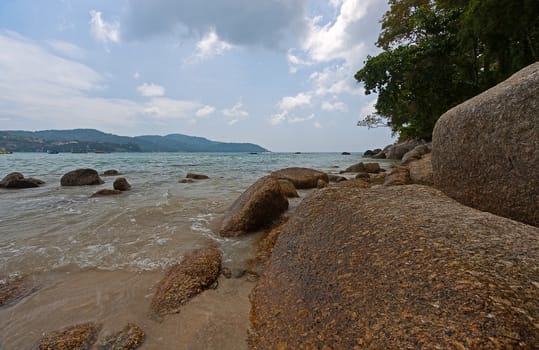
pixel 278 73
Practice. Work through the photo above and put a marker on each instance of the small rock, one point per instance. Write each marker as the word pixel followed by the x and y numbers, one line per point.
pixel 106 192
pixel 196 272
pixel 121 184
pixel 421 170
pixel 372 168
pixel 186 181
pixel 14 288
pixel 301 177
pixel 288 189
pixel 78 337
pixel 129 338
pixel 111 172
pixel 356 168
pixel 196 176
pixel 399 175
pixel 345 153
pixel 370 153
pixel 81 177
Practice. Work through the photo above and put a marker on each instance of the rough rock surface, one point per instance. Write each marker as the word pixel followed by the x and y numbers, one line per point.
pixel 195 273
pixel 416 153
pixel 121 184
pixel 258 206
pixel 196 176
pixel 301 177
pixel 288 189
pixel 321 184
pixel 370 153
pixel 106 192
pixel 362 175
pixel 81 177
pixel 14 288
pixel 400 268
pixel 354 183
pixel 186 181
pixel 111 172
pixel 356 168
pixel 79 337
pixel 421 170
pixel 17 180
pixel 398 175
pixel 485 151
pixel 129 338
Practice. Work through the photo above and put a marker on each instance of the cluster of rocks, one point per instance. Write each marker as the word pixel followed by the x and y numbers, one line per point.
pixel 83 336
pixel 407 266
pixel 17 180
pixel 191 177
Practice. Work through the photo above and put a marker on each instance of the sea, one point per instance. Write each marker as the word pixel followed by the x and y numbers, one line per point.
pixel 98 258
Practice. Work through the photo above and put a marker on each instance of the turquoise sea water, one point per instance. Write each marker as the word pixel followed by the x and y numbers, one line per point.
pixel 147 228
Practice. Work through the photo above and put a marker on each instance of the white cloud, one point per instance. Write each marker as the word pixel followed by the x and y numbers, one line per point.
pixel 278 118
pixel 43 90
pixel 151 90
pixel 102 30
pixel 166 108
pixel 210 45
pixel 291 102
pixel 334 106
pixel 295 119
pixel 67 49
pixel 335 80
pixel 136 75
pixel 236 111
pixel 317 125
pixel 205 111
pixel 295 62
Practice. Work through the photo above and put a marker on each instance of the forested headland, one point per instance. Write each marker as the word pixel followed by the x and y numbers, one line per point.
pixel 438 53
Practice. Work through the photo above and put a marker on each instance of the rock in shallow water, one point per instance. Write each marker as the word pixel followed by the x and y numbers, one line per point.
pixel 17 180
pixel 288 189
pixel 400 268
pixel 121 184
pixel 196 272
pixel 78 337
pixel 129 338
pixel 257 207
pixel 14 288
pixel 81 177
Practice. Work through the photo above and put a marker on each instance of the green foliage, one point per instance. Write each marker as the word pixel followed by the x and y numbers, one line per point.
pixel 437 54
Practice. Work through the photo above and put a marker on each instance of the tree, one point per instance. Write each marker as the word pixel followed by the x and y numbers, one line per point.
pixel 437 54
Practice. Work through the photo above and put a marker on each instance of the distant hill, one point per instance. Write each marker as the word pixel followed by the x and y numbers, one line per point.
pixel 90 140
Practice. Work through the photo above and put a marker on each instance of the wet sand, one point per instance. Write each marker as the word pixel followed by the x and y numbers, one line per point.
pixel 215 319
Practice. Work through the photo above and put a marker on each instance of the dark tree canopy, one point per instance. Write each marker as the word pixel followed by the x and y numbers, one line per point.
pixel 439 53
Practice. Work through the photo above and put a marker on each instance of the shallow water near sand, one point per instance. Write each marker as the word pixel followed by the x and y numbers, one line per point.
pixel 97 259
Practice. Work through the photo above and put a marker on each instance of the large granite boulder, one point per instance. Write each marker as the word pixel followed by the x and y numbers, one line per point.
pixel 17 180
pixel 401 267
pixel 81 177
pixel 196 272
pixel 257 207
pixel 486 150
pixel 420 170
pixel 301 177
